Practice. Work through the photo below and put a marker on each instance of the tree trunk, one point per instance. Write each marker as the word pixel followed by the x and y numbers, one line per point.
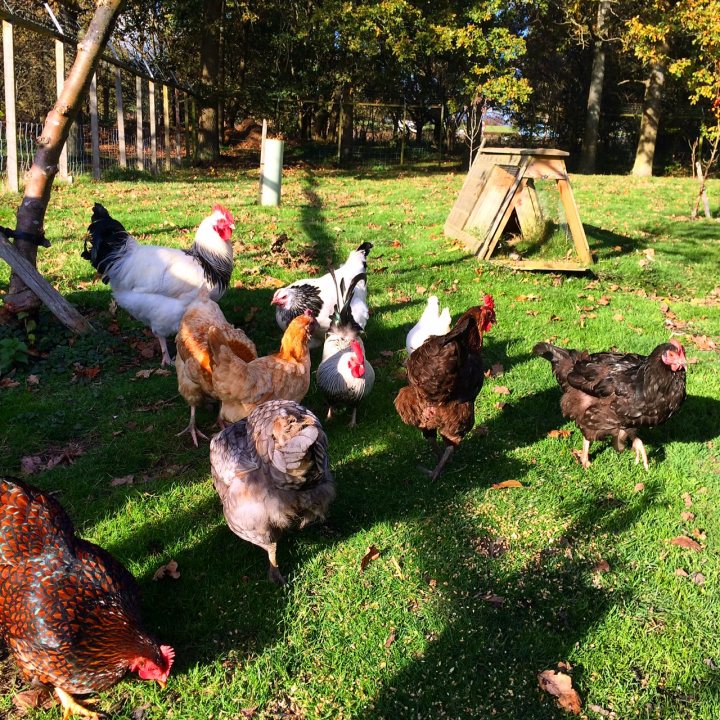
pixel 588 154
pixel 347 125
pixel 652 109
pixel 208 143
pixel 40 177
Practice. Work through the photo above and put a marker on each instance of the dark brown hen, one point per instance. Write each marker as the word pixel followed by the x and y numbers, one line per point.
pixel 69 612
pixel 445 375
pixel 610 394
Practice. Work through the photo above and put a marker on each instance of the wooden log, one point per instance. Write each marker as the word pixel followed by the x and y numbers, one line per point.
pixel 94 128
pixel 533 265
pixel 139 148
pixel 166 129
pixel 10 118
pixel 153 126
pixel 56 303
pixel 59 82
pixel 120 118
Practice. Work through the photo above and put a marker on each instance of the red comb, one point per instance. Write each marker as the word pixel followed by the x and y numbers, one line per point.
pixel 489 302
pixel 217 207
pixel 677 344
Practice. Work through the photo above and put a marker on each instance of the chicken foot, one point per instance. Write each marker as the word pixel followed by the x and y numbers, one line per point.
pixel 274 574
pixel 583 456
pixel 640 453
pixel 435 474
pixel 166 359
pixel 72 707
pixel 192 428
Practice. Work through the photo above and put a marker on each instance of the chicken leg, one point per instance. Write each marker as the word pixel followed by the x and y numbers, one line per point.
pixel 640 453
pixel 192 428
pixel 72 707
pixel 583 456
pixel 274 574
pixel 166 359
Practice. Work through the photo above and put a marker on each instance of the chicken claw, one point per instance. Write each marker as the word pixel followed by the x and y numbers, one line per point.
pixel 583 456
pixel 192 429
pixel 640 453
pixel 72 707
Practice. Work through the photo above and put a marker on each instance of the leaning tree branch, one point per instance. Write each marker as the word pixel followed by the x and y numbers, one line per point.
pixel 40 177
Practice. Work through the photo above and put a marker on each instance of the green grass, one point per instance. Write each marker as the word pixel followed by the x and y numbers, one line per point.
pixel 412 636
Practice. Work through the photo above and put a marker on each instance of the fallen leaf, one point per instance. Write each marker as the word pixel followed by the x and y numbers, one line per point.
pixel 163 372
pixel 249 712
pixel 124 480
pixel 391 638
pixel 685 542
pixel 500 405
pixel 602 711
pixel 687 499
pixel 649 253
pixel 507 484
pixel 698 534
pixel 709 662
pixel 495 370
pixel 138 713
pixel 8 383
pixel 679 572
pixel 618 317
pixel 144 374
pixel 687 516
pixel 639 487
pixel 559 434
pixel 420 290
pixel 32 380
pixel 31 464
pixel 604 300
pixel 396 244
pixel 493 599
pixel 34 699
pixel 602 567
pixel 170 570
pixel 559 684
pixel 698 578
pixel 85 372
pixel 501 390
pixel 372 553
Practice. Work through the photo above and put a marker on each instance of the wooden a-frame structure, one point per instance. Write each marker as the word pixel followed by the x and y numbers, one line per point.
pixel 500 182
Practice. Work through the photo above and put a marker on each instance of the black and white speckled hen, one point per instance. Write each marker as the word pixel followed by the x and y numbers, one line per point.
pixel 445 375
pixel 69 611
pixel 272 473
pixel 612 394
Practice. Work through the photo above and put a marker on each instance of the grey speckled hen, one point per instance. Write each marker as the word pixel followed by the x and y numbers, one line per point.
pixel 272 473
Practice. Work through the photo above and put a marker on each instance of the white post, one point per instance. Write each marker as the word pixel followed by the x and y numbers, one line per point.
pixel 59 82
pixel 166 120
pixel 10 122
pixel 94 129
pixel 120 118
pixel 153 128
pixel 140 159
pixel 271 177
pixel 262 157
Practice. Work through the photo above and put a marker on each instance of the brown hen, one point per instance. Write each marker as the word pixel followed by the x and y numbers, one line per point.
pixel 445 375
pixel 69 611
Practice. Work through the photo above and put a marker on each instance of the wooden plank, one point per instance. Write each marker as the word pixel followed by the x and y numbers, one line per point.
pixel 527 207
pixel 471 242
pixel 469 193
pixel 534 152
pixel 139 150
pixel 59 82
pixel 10 118
pixel 120 118
pixel 574 223
pixel 166 121
pixel 542 169
pixel 94 128
pixel 550 265
pixel 496 186
pixel 503 212
pixel 153 126
pixel 55 302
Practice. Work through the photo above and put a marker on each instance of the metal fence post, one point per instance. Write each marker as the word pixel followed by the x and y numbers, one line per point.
pixel 10 119
pixel 153 125
pixel 94 130
pixel 120 118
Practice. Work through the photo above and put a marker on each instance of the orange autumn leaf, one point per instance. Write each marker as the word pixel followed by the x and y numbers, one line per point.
pixel 559 434
pixel 371 554
pixel 507 484
pixel 685 542
pixel 559 684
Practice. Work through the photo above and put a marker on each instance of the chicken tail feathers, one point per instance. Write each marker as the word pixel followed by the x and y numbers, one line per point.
pixel 109 242
pixel 342 315
pixel 549 352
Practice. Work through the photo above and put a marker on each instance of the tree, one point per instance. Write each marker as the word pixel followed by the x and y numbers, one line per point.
pixel 210 62
pixel 40 177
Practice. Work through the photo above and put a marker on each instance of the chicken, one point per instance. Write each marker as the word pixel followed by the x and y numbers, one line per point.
pixel 320 295
pixel 192 363
pixel 431 322
pixel 344 376
pixel 445 375
pixel 271 472
pixel 155 284
pixel 611 394
pixel 241 386
pixel 69 611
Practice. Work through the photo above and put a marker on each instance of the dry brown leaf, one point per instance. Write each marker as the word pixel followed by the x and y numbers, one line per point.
pixel 420 290
pixel 698 534
pixel 687 499
pixel 143 374
pixel 168 570
pixel 602 567
pixel 8 383
pixel 34 699
pixel 507 484
pixel 559 684
pixel 685 542
pixel 559 434
pixel 391 638
pixel 501 390
pixel 679 572
pixel 31 464
pixel 604 300
pixel 698 578
pixel 124 480
pixel 493 599
pixel 687 516
pixel 639 487
pixel 81 371
pixel 32 380
pixel 500 405
pixel 163 372
pixel 372 553
pixel 602 711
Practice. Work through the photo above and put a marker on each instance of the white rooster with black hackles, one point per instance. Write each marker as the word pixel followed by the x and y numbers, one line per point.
pixel 344 376
pixel 155 284
pixel 320 296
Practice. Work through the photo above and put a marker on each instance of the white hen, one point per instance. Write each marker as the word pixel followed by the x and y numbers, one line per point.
pixel 155 284
pixel 431 322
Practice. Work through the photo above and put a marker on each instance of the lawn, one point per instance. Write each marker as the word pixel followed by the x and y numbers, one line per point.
pixel 476 590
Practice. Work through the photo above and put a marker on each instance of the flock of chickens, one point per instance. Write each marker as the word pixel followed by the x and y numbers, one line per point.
pixel 71 618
